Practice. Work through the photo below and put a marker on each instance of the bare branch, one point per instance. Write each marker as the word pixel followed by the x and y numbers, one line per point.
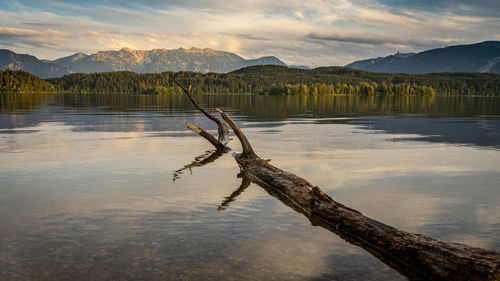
pixel 245 144
pixel 179 84
pixel 207 136
pixel 223 130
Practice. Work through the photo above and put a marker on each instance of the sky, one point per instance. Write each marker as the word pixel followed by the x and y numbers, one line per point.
pixel 299 32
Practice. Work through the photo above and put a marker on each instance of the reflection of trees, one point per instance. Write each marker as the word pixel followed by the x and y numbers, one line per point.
pixel 149 108
pixel 330 106
pixel 263 107
pixel 23 103
pixel 125 103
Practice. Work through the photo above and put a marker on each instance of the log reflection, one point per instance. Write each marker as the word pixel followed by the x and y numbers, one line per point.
pixel 208 157
pixel 245 182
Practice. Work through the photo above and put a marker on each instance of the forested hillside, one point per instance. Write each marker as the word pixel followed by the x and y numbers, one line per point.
pixel 275 80
pixel 268 80
pixel 17 81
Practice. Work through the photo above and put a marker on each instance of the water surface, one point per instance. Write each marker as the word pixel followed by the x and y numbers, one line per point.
pixel 110 186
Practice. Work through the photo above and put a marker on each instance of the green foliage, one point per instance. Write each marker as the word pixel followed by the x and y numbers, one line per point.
pixel 122 82
pixel 162 90
pixel 16 81
pixel 280 80
pixel 363 89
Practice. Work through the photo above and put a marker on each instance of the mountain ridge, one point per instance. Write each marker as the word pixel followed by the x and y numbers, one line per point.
pixel 479 57
pixel 29 63
pixel 161 60
pixel 140 61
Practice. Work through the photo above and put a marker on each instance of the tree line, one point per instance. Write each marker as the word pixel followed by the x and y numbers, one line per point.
pixel 363 88
pixel 281 80
pixel 16 81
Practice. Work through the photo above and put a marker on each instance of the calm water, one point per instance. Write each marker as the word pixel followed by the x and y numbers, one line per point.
pixel 115 187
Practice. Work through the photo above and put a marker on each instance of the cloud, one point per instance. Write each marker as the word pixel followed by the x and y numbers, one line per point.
pixel 316 32
pixel 247 36
pixel 44 24
pixel 378 40
pixel 33 37
pixel 478 7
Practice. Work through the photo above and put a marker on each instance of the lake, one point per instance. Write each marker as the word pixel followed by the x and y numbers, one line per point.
pixel 101 187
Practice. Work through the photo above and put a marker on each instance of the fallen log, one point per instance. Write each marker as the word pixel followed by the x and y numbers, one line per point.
pixel 414 255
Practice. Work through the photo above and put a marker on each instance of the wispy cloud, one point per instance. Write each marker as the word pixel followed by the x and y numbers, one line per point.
pixel 33 37
pixel 41 24
pixel 247 36
pixel 375 39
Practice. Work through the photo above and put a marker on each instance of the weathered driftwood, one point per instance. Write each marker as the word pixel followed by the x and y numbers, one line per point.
pixel 417 256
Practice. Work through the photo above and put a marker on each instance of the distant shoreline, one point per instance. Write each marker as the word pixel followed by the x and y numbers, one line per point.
pixel 266 80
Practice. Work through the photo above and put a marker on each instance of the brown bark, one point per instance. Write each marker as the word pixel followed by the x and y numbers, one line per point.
pixel 245 144
pixel 215 142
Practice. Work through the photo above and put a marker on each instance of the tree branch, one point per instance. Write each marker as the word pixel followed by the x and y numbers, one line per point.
pixel 223 130
pixel 215 142
pixel 245 144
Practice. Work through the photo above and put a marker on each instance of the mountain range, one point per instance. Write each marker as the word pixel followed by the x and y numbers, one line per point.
pixel 480 57
pixel 139 61
pixel 28 63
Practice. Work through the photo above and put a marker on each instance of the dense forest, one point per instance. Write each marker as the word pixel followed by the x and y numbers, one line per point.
pixel 276 80
pixel 12 81
pixel 281 80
